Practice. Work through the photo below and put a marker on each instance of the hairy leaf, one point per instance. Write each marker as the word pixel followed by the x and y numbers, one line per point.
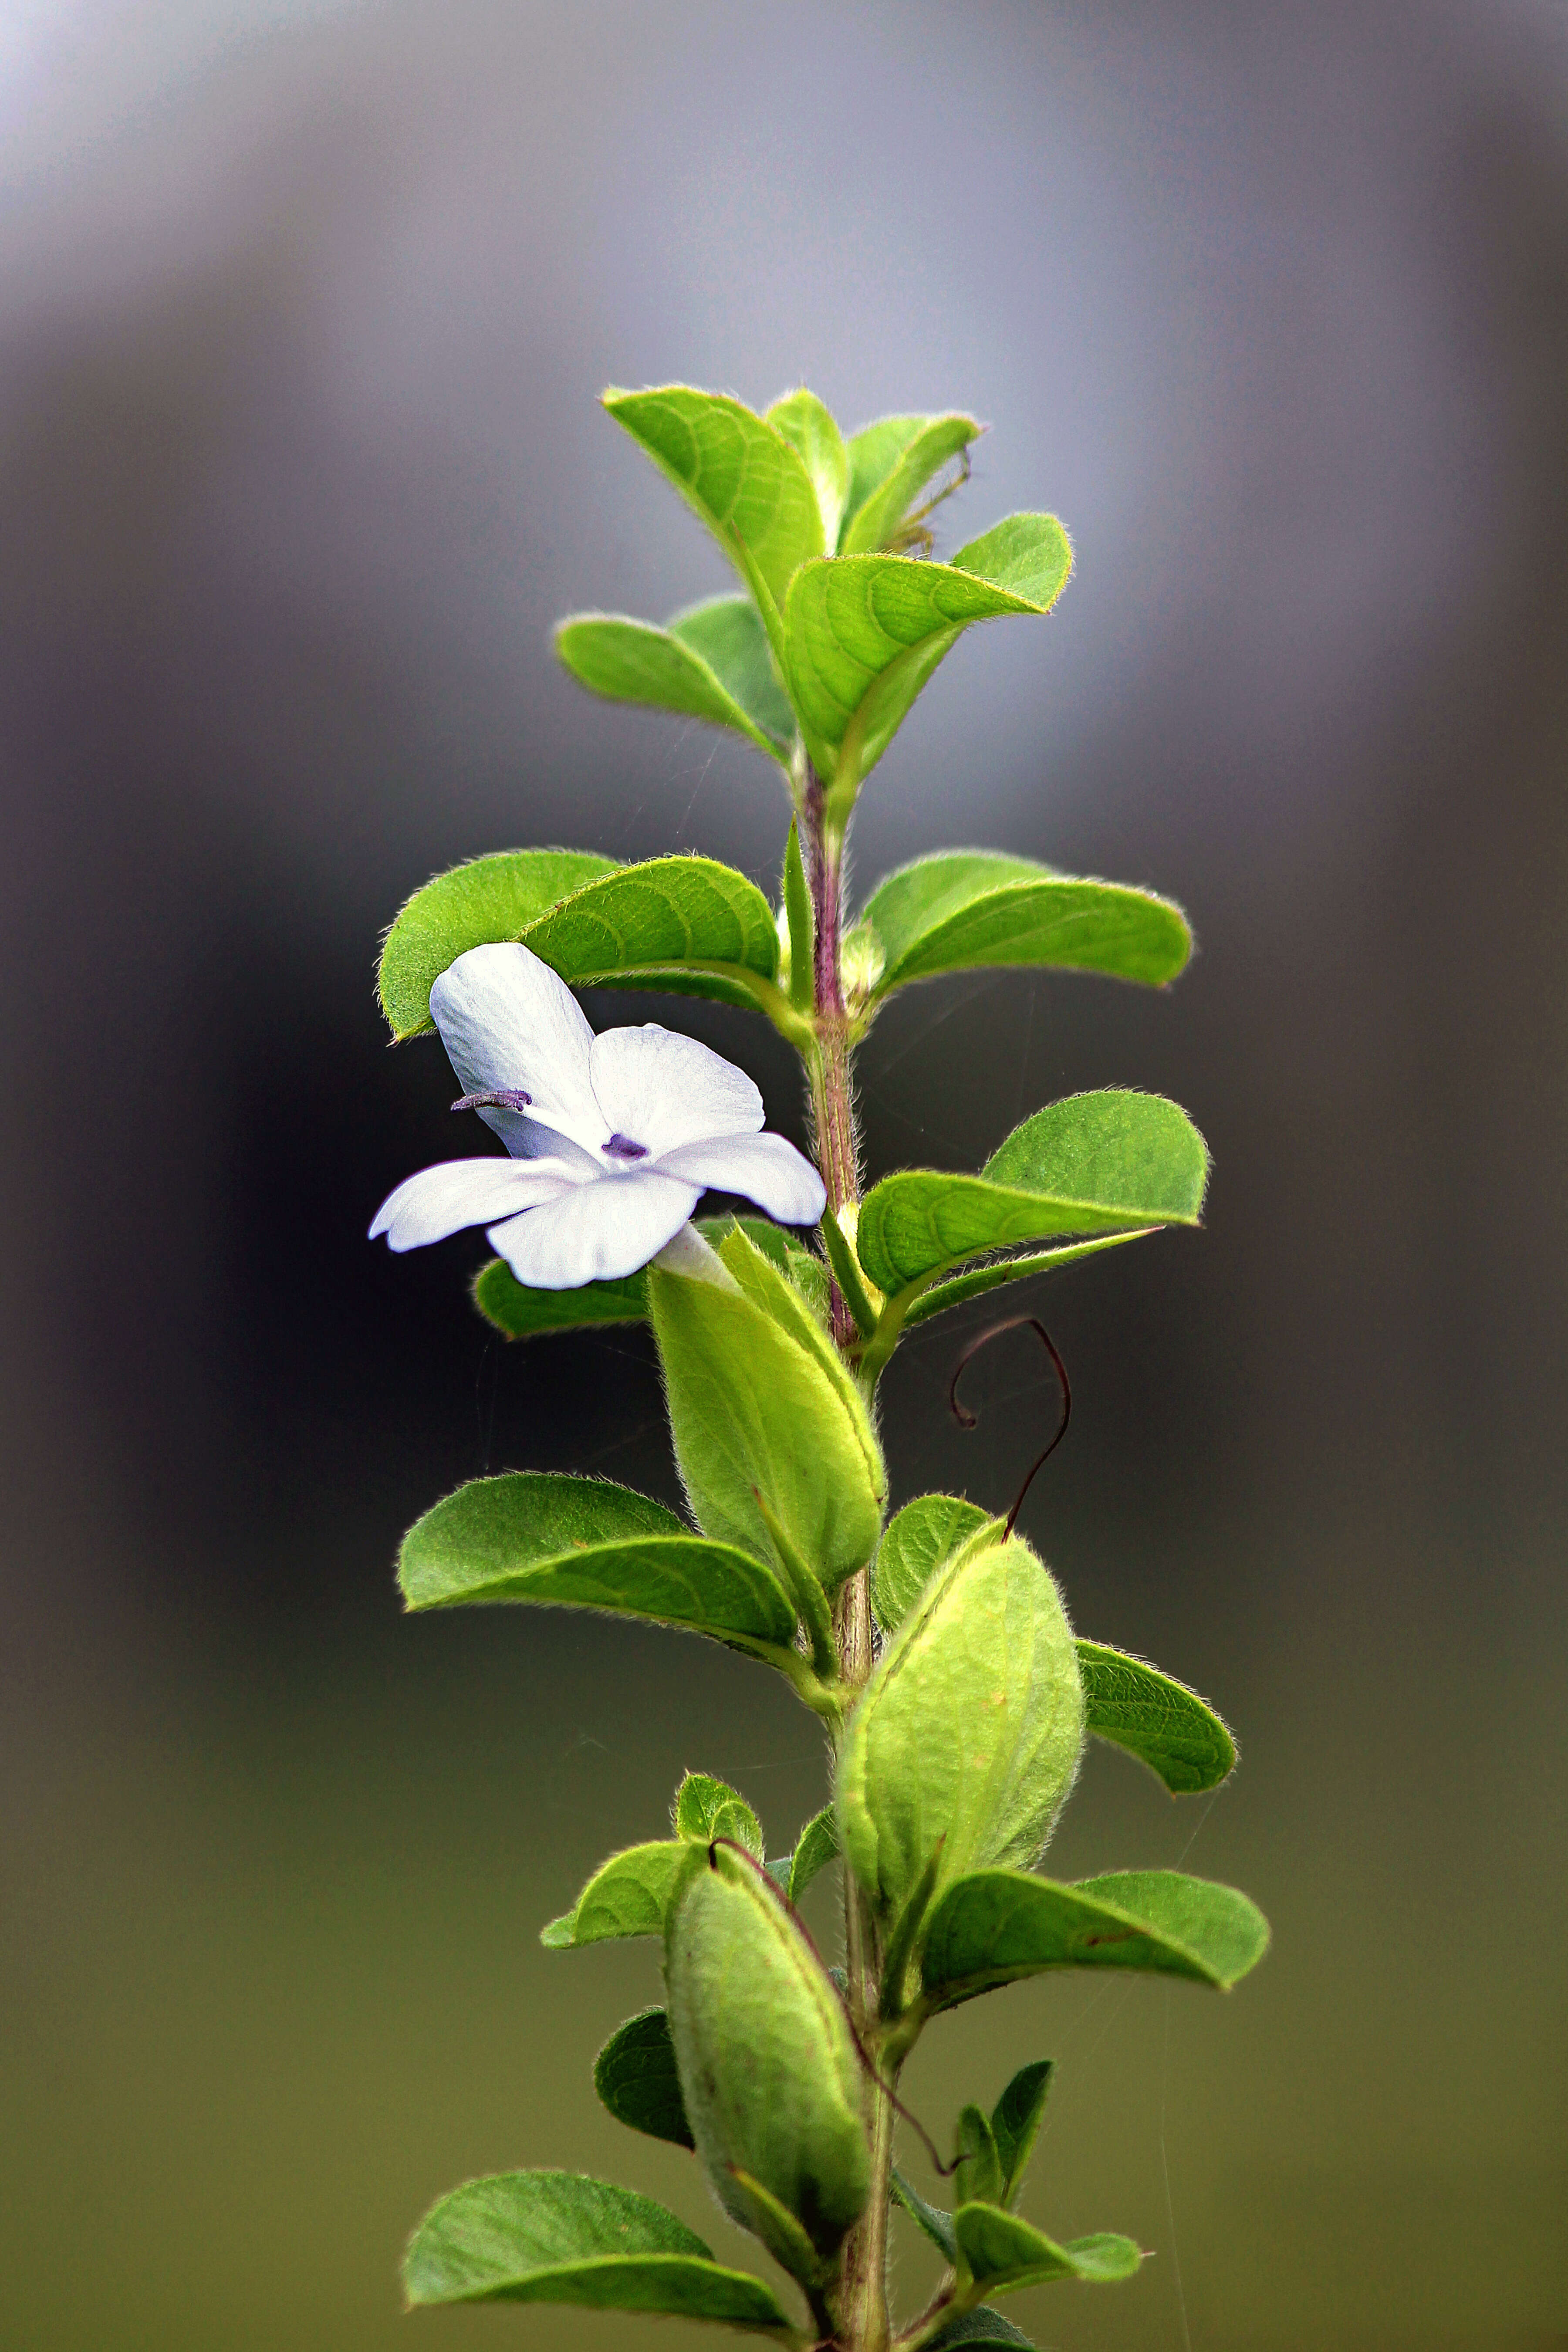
pixel 889 463
pixel 677 667
pixel 635 2077
pixel 558 2237
pixel 812 431
pixel 1003 2252
pixel 981 2326
pixel 969 907
pixel 582 1543
pixel 1156 1719
pixel 727 633
pixel 996 1272
pixel 979 2178
pixel 707 1808
pixel 936 2224
pixel 1092 1163
pixel 523 1313
pixel 683 922
pixel 490 898
pixel 864 633
pixel 999 1925
pixel 815 1848
pixel 626 1896
pixel 1016 2124
pixel 747 482
pixel 918 1542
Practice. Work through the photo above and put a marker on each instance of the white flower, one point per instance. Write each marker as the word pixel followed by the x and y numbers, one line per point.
pixel 612 1139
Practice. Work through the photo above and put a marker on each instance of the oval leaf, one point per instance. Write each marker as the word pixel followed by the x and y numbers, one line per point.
pixel 687 922
pixel 632 661
pixel 864 633
pixel 815 1847
pixel 635 2077
pixel 707 1808
pixel 890 462
pixel 626 1896
pixel 982 1278
pixel 1093 1163
pixel 521 1312
pixel 999 1925
pixel 969 909
pixel 1015 2122
pixel 582 1543
pixel 1156 1719
pixel 557 2237
pixel 812 431
pixel 936 2224
pixel 918 1539
pixel 1003 2252
pixel 741 474
pixel 981 2326
pixel 490 899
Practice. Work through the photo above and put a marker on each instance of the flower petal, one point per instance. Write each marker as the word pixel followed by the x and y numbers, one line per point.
pixel 598 1233
pixel 659 1089
pixel 443 1200
pixel 763 1168
pixel 507 1021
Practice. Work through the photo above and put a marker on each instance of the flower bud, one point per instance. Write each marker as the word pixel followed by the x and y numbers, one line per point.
pixel 769 2072
pixel 969 1733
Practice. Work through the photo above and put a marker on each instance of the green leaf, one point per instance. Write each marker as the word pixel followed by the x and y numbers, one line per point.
pixel 1156 1719
pixel 755 1407
pixel 1092 1163
pixel 812 431
pixel 683 923
pixel 889 462
pixel 978 2180
pixel 997 1271
pixel 802 927
pixel 490 899
pixel 815 1848
pixel 846 1274
pixel 557 2237
pixel 1016 2124
pixel 582 1543
pixel 981 2326
pixel 937 2225
pixel 707 1808
pixel 918 1540
pixel 626 1896
pixel 736 471
pixel 635 2077
pixel 864 633
pixel 973 908
pixel 1003 2252
pixel 523 1313
pixel 712 663
pixel 999 1925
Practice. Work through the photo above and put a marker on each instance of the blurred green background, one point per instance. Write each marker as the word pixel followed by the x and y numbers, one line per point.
pixel 302 312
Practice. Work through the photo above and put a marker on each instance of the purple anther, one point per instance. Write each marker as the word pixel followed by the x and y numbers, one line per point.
pixel 503 1099
pixel 621 1147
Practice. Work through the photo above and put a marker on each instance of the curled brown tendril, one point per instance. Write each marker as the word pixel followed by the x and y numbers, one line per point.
pixel 967 1420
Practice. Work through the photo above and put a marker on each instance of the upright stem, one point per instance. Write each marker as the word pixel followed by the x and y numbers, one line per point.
pixel 832 1099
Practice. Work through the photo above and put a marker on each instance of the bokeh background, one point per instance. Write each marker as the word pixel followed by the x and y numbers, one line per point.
pixel 303 310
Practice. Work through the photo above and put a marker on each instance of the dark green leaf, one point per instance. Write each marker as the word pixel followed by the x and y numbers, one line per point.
pixel 979 2178
pixel 1093 1163
pixel 1158 1719
pixel 996 1925
pixel 670 669
pixel 812 431
pixel 582 1543
pixel 490 899
pixel 1003 2252
pixel 556 2237
pixel 889 463
pixel 917 1541
pixel 523 1313
pixel 634 2075
pixel 937 2225
pixel 727 633
pixel 864 633
pixel 1016 2124
pixel 815 1848
pixel 972 908
pixel 685 922
pixel 741 475
pixel 626 1896
pixel 997 1271
pixel 981 2326
pixel 707 1808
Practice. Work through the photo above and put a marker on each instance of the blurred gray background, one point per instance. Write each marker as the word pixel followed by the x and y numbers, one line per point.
pixel 303 310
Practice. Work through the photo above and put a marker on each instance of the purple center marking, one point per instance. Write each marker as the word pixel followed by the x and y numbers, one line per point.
pixel 621 1147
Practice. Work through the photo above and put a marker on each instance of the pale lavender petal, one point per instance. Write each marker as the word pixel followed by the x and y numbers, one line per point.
pixel 528 1139
pixel 658 1088
pixel 509 1023
pixel 762 1168
pixel 598 1233
pixel 443 1200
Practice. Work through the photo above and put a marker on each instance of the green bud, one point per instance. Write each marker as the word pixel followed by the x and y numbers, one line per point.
pixel 970 1730
pixel 769 2072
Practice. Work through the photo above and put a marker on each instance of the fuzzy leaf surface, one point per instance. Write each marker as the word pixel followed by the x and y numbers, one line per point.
pixel 890 462
pixel 736 471
pixel 1092 1163
pixel 1003 2252
pixel 683 922
pixel 968 909
pixel 490 899
pixel 997 1926
pixel 979 2179
pixel 558 2237
pixel 677 667
pixel 997 1272
pixel 864 633
pixel 981 2326
pixel 812 431
pixel 583 1543
pixel 626 1896
pixel 917 1541
pixel 1016 2124
pixel 523 1313
pixel 635 2077
pixel 815 1848
pixel 1156 1719
pixel 707 1808
pixel 936 2224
